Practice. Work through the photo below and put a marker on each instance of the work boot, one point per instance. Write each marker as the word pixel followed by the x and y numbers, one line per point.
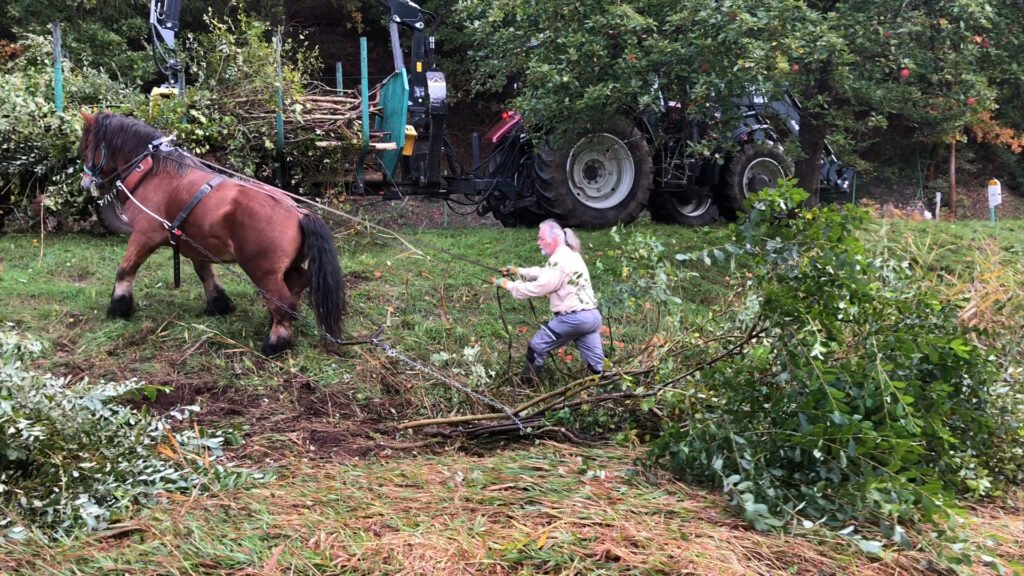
pixel 604 377
pixel 529 376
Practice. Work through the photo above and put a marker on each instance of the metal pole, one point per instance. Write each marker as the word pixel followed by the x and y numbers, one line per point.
pixel 337 76
pixel 366 90
pixel 280 110
pixel 952 180
pixel 58 70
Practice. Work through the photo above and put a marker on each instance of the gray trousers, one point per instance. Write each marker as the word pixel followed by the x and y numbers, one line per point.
pixel 583 328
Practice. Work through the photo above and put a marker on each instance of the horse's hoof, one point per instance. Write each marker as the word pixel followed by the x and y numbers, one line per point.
pixel 120 307
pixel 220 304
pixel 269 348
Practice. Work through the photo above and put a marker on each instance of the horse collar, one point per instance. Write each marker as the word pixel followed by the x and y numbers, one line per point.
pixel 141 166
pixel 138 173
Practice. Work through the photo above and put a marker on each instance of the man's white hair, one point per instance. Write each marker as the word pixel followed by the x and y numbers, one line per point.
pixel 551 229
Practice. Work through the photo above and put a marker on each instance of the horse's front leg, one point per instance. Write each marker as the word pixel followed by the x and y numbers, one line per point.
pixel 139 249
pixel 218 302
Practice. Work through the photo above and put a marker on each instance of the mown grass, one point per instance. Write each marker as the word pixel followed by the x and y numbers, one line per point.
pixel 545 509
pixel 533 509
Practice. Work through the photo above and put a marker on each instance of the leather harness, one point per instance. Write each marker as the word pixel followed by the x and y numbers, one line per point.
pixel 138 173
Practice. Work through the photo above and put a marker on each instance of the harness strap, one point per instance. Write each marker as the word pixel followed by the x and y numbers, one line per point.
pixel 174 228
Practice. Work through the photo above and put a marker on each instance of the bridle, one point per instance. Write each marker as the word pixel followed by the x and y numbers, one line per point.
pixel 95 170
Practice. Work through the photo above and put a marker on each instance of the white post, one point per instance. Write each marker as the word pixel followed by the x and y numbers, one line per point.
pixel 995 198
pixel 938 204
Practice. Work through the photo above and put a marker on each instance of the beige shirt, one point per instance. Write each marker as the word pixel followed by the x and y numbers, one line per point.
pixel 565 280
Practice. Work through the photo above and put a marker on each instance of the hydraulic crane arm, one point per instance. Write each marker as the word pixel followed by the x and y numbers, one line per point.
pixel 163 21
pixel 427 104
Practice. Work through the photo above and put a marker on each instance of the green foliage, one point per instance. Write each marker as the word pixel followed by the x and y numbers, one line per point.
pixel 855 393
pixel 110 36
pixel 75 455
pixel 38 147
pixel 228 113
pixel 843 60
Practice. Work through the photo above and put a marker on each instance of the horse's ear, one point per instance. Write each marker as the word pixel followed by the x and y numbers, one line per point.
pixel 86 116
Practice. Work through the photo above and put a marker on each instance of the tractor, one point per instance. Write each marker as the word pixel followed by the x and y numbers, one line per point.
pixel 591 177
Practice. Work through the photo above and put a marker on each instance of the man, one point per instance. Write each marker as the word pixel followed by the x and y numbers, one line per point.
pixel 565 280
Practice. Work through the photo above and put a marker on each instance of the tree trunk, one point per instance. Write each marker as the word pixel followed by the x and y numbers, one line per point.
pixel 813 130
pixel 812 145
pixel 952 180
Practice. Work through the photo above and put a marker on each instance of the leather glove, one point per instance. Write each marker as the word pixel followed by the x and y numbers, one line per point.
pixel 501 282
pixel 509 271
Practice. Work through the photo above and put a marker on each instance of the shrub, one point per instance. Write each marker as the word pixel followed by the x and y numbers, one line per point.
pixel 227 115
pixel 74 456
pixel 854 394
pixel 38 147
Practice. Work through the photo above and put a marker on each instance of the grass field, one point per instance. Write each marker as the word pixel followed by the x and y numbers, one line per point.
pixel 353 494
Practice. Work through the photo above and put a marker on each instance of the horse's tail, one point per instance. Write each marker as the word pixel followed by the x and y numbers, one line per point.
pixel 326 283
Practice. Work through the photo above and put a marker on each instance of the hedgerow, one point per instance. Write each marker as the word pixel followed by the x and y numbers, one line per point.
pixel 849 391
pixel 226 115
pixel 38 147
pixel 77 455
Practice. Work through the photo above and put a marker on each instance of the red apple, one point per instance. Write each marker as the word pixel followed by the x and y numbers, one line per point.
pixel 905 73
pixel 971 101
pixel 795 67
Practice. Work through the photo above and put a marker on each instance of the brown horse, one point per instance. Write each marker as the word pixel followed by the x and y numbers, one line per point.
pixel 171 200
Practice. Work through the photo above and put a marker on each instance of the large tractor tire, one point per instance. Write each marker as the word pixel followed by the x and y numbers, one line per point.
pixel 666 207
pixel 755 168
pixel 110 213
pixel 525 217
pixel 519 218
pixel 598 178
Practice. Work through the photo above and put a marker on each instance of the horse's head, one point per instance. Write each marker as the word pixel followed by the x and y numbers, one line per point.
pixel 97 167
pixel 113 145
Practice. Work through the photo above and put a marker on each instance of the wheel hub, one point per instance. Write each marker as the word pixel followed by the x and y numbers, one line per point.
pixel 593 171
pixel 600 171
pixel 692 206
pixel 761 174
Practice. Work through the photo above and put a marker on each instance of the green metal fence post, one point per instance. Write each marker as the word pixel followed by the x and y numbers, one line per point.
pixel 280 110
pixel 365 85
pixel 337 76
pixel 366 91
pixel 58 70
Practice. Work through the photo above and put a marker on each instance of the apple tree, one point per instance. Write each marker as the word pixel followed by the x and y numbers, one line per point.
pixel 853 65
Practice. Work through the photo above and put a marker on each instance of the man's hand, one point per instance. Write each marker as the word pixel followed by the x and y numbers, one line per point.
pixel 509 271
pixel 501 282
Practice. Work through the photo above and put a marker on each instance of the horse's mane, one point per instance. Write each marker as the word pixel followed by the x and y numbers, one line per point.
pixel 128 138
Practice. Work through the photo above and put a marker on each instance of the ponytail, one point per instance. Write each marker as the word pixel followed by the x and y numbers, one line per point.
pixel 571 240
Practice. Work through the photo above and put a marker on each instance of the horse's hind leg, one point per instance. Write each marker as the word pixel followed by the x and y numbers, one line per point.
pixel 121 300
pixel 297 279
pixel 217 300
pixel 283 306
